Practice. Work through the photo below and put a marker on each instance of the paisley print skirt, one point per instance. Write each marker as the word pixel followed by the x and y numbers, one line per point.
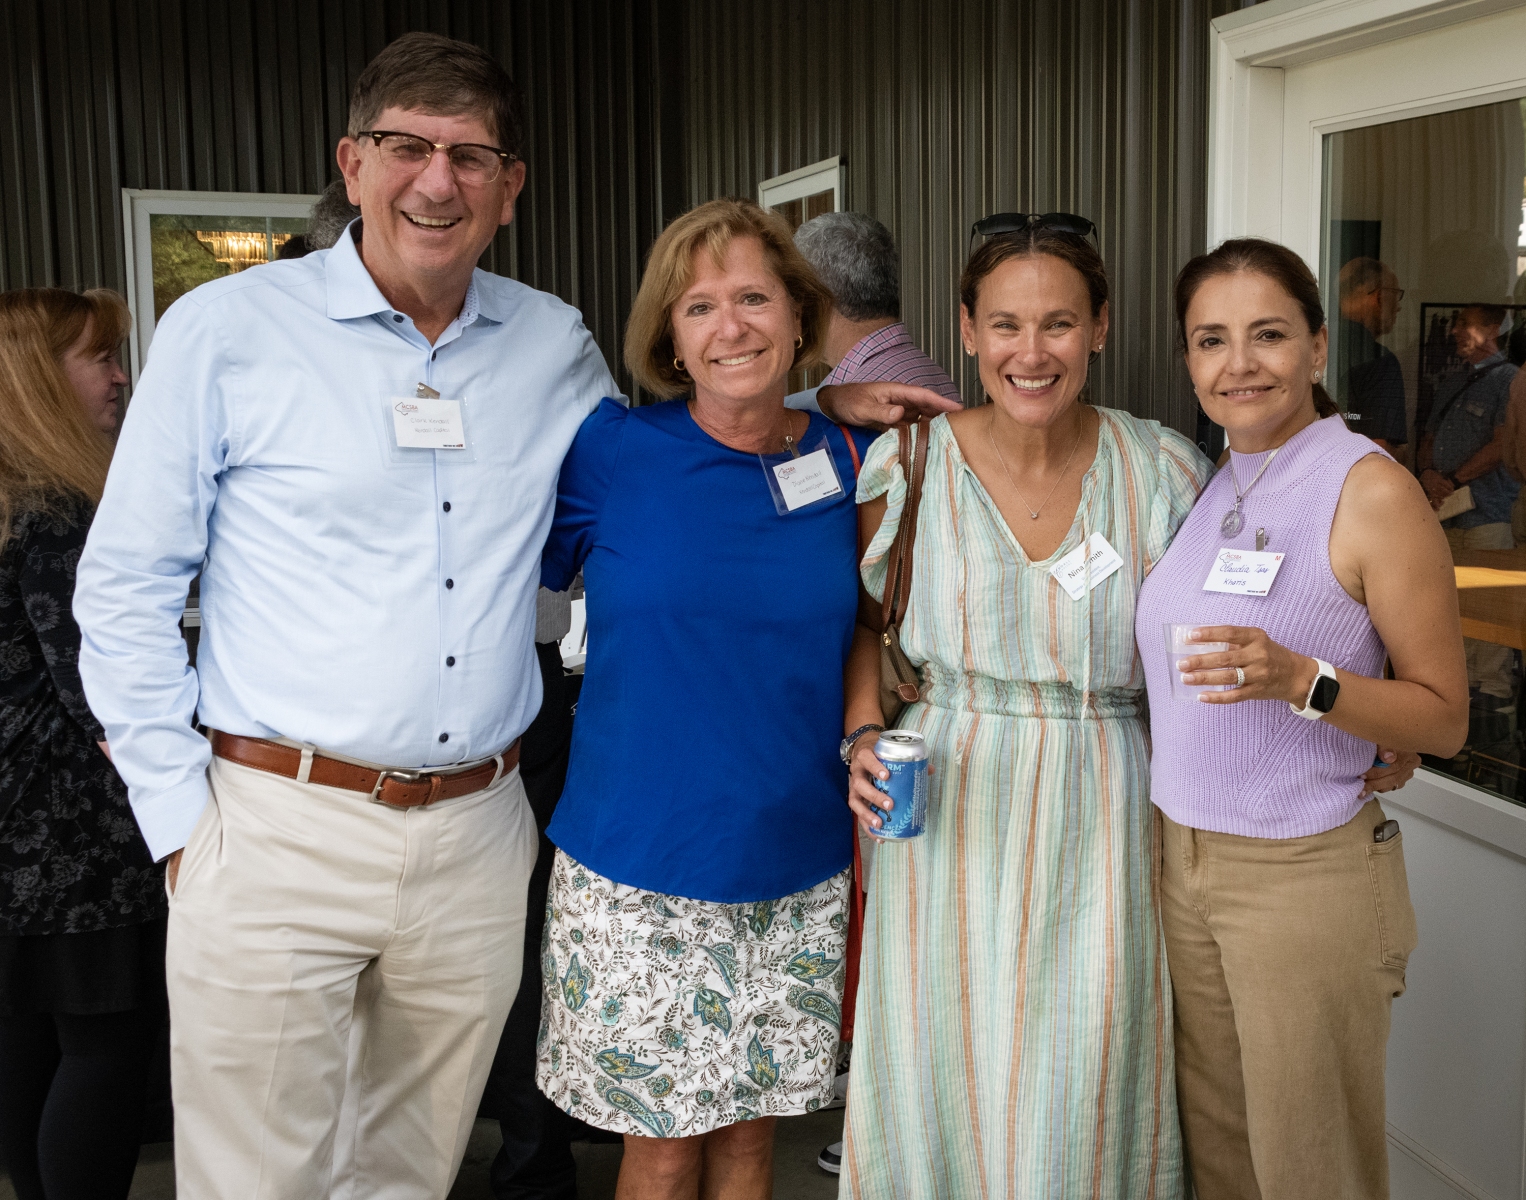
pixel 668 1017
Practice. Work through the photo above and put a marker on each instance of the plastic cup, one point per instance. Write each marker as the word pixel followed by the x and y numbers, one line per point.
pixel 1178 646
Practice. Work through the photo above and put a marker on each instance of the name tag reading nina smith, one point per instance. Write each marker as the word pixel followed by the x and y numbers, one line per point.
pixel 1094 555
pixel 1243 572
pixel 428 424
pixel 806 479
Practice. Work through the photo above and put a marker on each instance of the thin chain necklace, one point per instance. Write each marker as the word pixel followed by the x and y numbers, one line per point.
pixel 1033 513
pixel 789 423
pixel 1233 522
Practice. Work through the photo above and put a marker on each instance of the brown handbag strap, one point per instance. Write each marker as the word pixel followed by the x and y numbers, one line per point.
pixel 913 457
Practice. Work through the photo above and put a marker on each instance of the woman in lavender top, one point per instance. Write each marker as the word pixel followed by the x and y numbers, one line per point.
pixel 1284 900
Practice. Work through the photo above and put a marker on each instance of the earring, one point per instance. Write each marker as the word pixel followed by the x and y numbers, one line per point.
pixel 799 341
pixel 678 364
pixel 1317 375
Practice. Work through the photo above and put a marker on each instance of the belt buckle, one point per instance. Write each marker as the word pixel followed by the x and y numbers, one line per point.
pixel 402 776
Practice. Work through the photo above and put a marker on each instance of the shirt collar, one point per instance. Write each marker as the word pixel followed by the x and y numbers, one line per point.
pixel 353 293
pixel 880 339
pixel 1494 359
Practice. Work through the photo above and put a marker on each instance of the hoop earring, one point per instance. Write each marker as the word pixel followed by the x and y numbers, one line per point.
pixel 799 341
pixel 678 364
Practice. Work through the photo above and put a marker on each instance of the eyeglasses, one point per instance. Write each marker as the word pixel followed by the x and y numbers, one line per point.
pixel 1397 291
pixel 1023 222
pixel 470 162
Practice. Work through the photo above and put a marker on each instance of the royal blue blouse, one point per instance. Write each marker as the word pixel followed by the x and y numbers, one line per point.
pixel 704 754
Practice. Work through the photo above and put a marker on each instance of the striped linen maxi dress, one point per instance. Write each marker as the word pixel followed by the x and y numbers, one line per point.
pixel 1014 1018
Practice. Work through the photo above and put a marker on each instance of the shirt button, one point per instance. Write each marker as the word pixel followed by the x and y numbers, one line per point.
pixel 398 317
pixel 450 583
pixel 445 737
pixel 447 506
pixel 450 660
pixel 434 356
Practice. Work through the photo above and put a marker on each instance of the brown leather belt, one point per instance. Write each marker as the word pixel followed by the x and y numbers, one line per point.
pixel 399 788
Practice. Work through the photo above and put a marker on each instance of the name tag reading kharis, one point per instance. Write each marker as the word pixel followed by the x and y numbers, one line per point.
pixel 428 423
pixel 1243 572
pixel 1091 562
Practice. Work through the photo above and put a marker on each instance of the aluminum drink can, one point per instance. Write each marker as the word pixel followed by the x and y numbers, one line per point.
pixel 904 754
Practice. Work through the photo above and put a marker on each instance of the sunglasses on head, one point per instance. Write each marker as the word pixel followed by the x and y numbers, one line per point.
pixel 1023 222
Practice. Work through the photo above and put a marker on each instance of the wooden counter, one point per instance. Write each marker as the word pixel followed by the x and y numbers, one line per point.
pixel 1491 593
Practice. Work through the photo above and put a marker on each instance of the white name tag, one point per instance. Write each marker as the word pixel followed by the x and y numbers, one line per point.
pixel 1094 556
pixel 1243 572
pixel 428 424
pixel 806 479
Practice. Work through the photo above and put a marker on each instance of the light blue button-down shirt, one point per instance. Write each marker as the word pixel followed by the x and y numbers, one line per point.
pixel 372 601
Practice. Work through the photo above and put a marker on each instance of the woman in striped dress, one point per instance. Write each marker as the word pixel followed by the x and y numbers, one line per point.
pixel 1014 1014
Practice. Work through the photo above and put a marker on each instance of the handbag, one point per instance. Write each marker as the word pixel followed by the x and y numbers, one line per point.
pixel 900 681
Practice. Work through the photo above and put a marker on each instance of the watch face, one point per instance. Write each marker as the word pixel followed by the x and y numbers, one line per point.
pixel 1324 693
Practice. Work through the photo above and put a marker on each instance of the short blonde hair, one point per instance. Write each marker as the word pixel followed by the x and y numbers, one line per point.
pixel 670 270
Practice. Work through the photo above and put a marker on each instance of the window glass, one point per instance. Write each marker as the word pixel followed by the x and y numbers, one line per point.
pixel 1422 267
pixel 191 250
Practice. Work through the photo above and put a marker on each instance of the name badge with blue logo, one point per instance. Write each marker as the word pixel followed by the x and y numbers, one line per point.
pixel 798 479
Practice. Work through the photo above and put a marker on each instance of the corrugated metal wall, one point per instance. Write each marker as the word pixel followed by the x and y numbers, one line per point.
pixel 948 111
pixel 252 95
pixel 944 110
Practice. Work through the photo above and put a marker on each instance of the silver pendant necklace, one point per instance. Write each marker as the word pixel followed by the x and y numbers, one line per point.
pixel 1233 522
pixel 1033 513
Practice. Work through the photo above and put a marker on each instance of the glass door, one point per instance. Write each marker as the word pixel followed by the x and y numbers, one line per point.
pixel 1421 257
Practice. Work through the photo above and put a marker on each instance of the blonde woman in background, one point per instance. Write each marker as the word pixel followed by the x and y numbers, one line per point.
pixel 82 906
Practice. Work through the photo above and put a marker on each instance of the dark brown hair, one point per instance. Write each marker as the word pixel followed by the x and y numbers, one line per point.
pixel 670 271
pixel 436 74
pixel 1025 243
pixel 1256 256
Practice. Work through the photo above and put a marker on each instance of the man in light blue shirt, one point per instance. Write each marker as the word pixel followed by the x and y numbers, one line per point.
pixel 358 451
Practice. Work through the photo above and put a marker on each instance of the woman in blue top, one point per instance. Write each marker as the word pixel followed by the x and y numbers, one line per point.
pixel 693 959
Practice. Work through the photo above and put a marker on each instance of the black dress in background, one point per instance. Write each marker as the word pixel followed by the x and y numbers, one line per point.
pixel 82 905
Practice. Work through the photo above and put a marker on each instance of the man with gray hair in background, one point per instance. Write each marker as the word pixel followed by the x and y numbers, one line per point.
pixel 856 258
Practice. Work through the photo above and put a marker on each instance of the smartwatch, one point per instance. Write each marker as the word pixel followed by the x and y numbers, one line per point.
pixel 845 751
pixel 1321 697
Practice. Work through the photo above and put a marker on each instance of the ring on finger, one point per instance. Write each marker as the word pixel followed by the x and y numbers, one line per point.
pixel 1239 677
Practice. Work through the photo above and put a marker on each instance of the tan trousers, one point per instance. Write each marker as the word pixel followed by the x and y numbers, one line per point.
pixel 302 911
pixel 1286 955
pixel 1490 666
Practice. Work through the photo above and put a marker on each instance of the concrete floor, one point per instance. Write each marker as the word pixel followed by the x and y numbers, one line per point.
pixel 796 1175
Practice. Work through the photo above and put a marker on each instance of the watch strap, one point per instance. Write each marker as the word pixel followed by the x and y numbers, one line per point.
pixel 849 741
pixel 1308 712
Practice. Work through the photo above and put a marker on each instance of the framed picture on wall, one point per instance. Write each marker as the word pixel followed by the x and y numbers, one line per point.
pixel 179 240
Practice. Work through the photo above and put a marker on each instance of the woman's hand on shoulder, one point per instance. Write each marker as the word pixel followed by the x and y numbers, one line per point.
pixel 881 405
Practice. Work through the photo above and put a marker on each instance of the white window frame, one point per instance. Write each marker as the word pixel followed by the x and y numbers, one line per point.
pixel 807 181
pixel 1248 51
pixel 139 205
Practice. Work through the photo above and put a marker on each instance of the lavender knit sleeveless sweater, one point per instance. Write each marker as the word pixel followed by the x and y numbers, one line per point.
pixel 1254 768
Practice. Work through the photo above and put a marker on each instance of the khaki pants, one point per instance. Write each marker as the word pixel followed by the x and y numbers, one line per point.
pixel 1286 955
pixel 302 913
pixel 1490 666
